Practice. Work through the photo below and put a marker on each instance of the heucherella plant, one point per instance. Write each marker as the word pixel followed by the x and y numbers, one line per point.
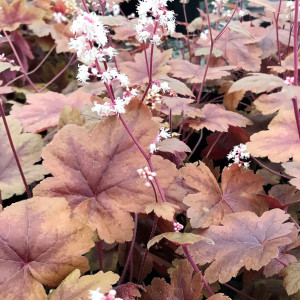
pixel 96 295
pixel 238 154
pixel 89 31
pixel 153 18
pixel 118 129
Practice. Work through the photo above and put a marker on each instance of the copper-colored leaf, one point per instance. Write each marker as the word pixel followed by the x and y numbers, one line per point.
pixel 129 291
pixel 219 296
pixel 15 13
pixel 164 210
pixel 210 203
pixel 177 86
pixel 184 286
pixel 239 49
pixel 28 147
pixel 173 145
pixel 282 101
pixel 216 118
pixel 40 245
pixel 292 278
pixel 244 240
pixel 136 70
pixel 186 70
pixel 293 169
pixel 75 288
pixel 44 109
pixel 280 142
pixel 285 194
pixel 221 146
pixel 179 238
pixel 97 172
pixel 231 100
pixel 257 83
pixel 70 115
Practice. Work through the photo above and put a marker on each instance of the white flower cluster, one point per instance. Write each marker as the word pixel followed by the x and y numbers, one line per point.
pixel 96 295
pixel 58 17
pixel 5 59
pixel 238 154
pixel 162 134
pixel 157 86
pixel 289 80
pixel 147 175
pixel 89 42
pixel 177 226
pixel 156 9
pixel 290 5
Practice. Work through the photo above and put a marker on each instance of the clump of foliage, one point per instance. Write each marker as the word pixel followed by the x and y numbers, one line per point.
pixel 156 164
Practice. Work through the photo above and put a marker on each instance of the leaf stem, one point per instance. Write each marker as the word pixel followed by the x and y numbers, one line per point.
pixel 14 151
pixel 239 292
pixel 147 250
pixel 190 259
pixel 100 255
pixel 295 222
pixel 58 74
pixel 19 61
pixel 296 111
pixel 35 69
pixel 276 18
pixel 129 256
pixel 196 146
pixel 281 262
pixel 270 170
pixel 214 144
pixel 187 32
pixel 212 42
pixel 296 43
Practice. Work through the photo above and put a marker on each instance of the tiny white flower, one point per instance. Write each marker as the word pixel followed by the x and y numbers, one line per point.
pixel 123 79
pixel 83 73
pixel 164 133
pixel 155 88
pixel 152 148
pixel 164 86
pixel 241 13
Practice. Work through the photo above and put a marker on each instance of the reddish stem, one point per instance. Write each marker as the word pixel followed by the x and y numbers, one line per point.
pixel 295 222
pixel 100 256
pixel 270 170
pixel 281 262
pixel 146 58
pixel 213 145
pixel 277 33
pixel 196 146
pixel 170 121
pixel 238 292
pixel 296 43
pixel 212 42
pixel 147 250
pixel 296 111
pixel 189 257
pixel 58 74
pixel 14 151
pixel 129 256
pixel 35 69
pixel 187 32
pixel 19 61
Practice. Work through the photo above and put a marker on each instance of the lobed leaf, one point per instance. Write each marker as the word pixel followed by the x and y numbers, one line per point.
pixel 28 147
pixel 179 238
pixel 97 172
pixel 40 247
pixel 243 240
pixel 210 203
